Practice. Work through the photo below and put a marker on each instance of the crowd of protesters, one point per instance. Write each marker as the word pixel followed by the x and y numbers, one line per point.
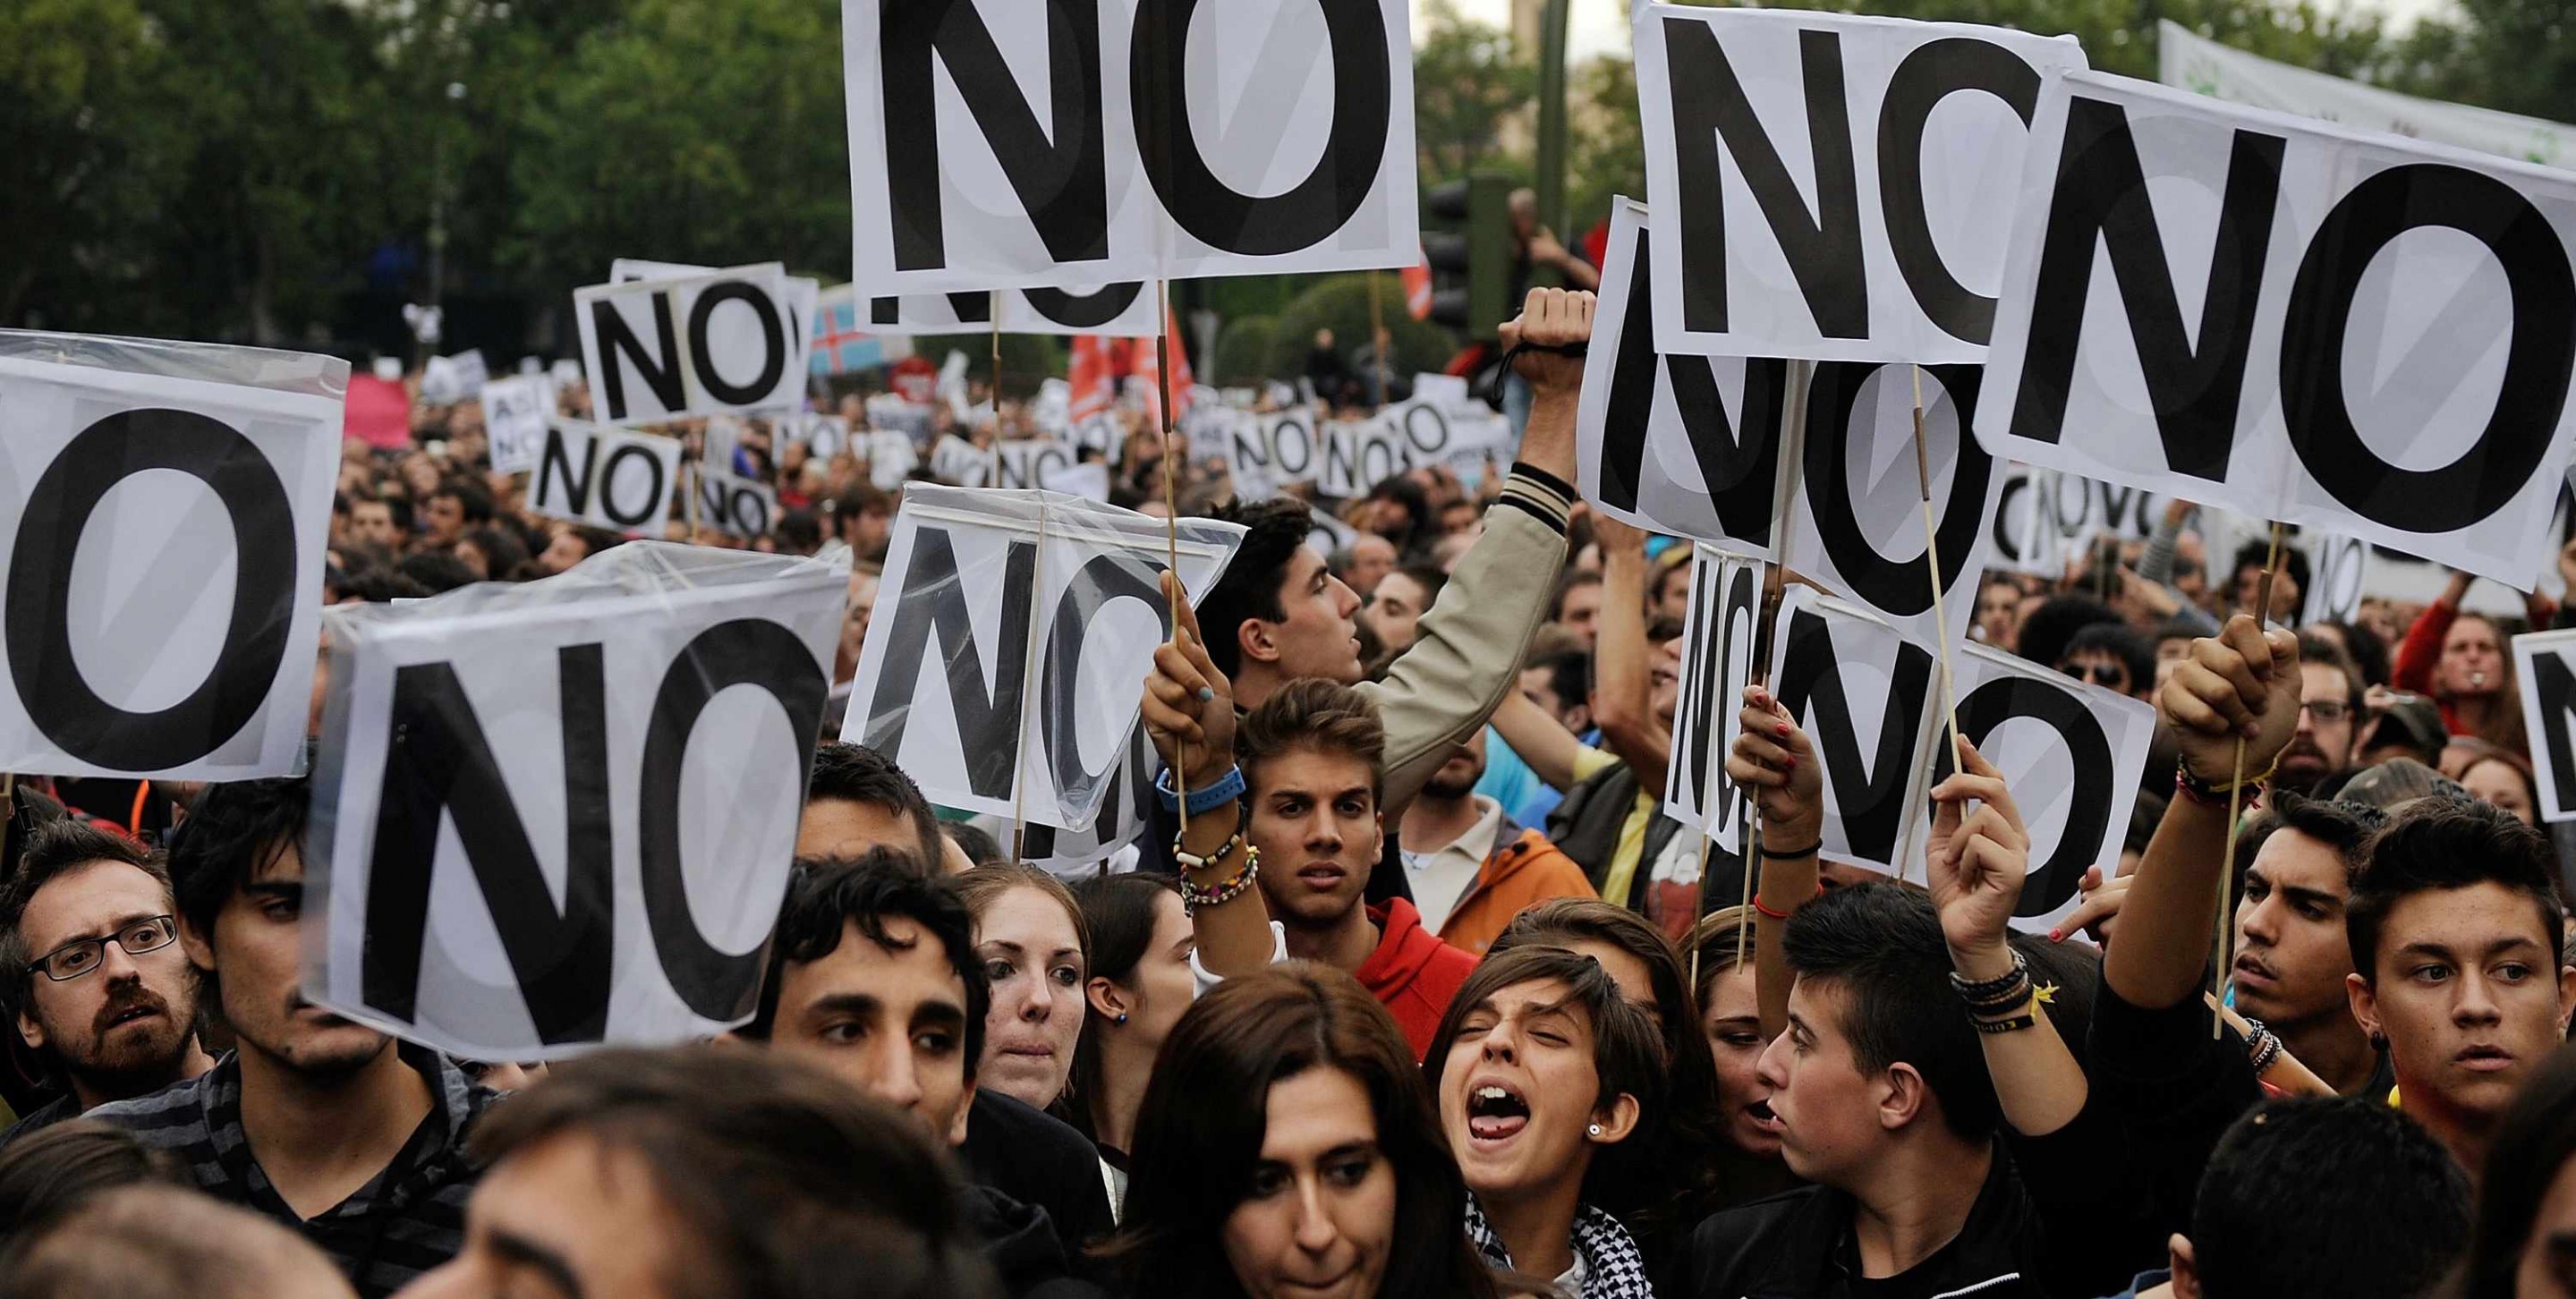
pixel 1409 988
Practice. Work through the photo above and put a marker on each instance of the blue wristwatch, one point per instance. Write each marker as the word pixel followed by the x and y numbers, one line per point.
pixel 1227 789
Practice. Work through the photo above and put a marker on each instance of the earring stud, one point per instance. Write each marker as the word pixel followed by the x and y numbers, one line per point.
pixel 1595 1129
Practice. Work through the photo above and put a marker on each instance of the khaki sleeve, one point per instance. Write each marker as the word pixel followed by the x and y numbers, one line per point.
pixel 1474 636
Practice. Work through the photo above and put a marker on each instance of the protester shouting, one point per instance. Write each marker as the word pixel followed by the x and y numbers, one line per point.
pixel 1545 1075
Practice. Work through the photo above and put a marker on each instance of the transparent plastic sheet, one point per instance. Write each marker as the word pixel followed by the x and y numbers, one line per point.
pixel 177 642
pixel 1004 668
pixel 484 748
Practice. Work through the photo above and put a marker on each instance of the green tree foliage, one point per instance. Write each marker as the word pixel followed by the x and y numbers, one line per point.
pixel 1468 85
pixel 1341 304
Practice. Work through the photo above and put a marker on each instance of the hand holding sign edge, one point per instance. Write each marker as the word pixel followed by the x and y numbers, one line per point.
pixel 1975 862
pixel 1188 702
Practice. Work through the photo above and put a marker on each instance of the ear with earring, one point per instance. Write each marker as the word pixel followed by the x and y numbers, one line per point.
pixel 2378 1041
pixel 1595 1129
pixel 1122 1018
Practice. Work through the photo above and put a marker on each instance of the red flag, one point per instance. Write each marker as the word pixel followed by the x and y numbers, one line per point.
pixel 1094 375
pixel 1148 368
pixel 1417 288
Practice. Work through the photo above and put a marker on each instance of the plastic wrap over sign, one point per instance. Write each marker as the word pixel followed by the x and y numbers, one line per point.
pixel 555 814
pixel 1005 666
pixel 163 513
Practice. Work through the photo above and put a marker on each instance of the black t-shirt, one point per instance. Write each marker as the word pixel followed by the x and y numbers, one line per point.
pixel 1036 1158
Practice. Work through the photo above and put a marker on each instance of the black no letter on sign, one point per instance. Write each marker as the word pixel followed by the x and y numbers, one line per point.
pixel 49 682
pixel 745 652
pixel 1307 213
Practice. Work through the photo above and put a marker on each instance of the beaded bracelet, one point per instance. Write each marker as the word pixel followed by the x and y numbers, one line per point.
pixel 1990 990
pixel 1216 895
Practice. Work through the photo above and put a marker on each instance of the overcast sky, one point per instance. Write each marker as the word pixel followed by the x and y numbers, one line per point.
pixel 1601 26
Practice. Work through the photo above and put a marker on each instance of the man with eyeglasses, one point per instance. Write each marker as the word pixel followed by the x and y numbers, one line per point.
pixel 2329 701
pixel 324 1125
pixel 91 972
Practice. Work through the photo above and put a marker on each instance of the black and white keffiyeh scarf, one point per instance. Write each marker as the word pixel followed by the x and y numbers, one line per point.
pixel 1611 1266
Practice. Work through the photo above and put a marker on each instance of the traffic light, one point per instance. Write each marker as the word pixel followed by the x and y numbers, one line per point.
pixel 1471 258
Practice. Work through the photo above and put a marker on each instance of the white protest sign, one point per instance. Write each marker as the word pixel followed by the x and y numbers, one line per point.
pixel 2024 536
pixel 606 477
pixel 804 296
pixel 1118 310
pixel 1052 411
pixel 2070 752
pixel 990 151
pixel 955 460
pixel 1718 644
pixel 1864 696
pixel 891 458
pixel 1684 444
pixel 1908 135
pixel 554 814
pixel 824 436
pixel 1264 452
pixel 447 380
pixel 662 349
pixel 1004 666
pixel 2544 663
pixel 515 414
pixel 1360 454
pixel 2338 571
pixel 1088 480
pixel 2365 334
pixel 734 505
pixel 1858 525
pixel 1447 391
pixel 164 509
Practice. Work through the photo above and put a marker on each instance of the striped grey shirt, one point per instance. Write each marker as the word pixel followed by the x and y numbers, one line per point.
pixel 381 1239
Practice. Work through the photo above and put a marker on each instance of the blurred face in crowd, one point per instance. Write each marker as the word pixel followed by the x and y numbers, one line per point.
pixel 2322 745
pixel 854 624
pixel 445 516
pixel 2469 993
pixel 2249 589
pixel 1393 612
pixel 254 948
pixel 2291 957
pixel 1732 1018
pixel 1372 558
pixel 1830 1113
pixel 563 551
pixel 2472 658
pixel 122 1021
pixel 565 1218
pixel 1538 685
pixel 1672 592
pixel 890 1020
pixel 2101 667
pixel 1581 613
pixel 472 556
pixel 2495 781
pixel 1321 635
pixel 2546 1268
pixel 846 827
pixel 1314 818
pixel 2171 651
pixel 373 522
pixel 1999 614
pixel 2191 568
pixel 1318 1219
pixel 1033 959
pixel 1457 777
pixel 1518 1092
pixel 1666 692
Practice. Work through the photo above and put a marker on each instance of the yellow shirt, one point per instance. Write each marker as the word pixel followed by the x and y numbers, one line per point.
pixel 1622 874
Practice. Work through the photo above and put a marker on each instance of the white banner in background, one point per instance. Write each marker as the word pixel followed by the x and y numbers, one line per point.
pixel 1687 445
pixel 1909 135
pixel 606 477
pixel 447 380
pixel 550 815
pixel 990 151
pixel 2189 61
pixel 163 539
pixel 1117 310
pixel 2363 334
pixel 2071 753
pixel 662 349
pixel 1013 633
pixel 2544 663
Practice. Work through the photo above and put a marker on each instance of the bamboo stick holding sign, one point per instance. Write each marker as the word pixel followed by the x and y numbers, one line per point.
pixel 2226 931
pixel 1932 567
pixel 1000 672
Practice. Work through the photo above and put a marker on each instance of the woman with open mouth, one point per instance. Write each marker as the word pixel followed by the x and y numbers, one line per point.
pixel 1544 1072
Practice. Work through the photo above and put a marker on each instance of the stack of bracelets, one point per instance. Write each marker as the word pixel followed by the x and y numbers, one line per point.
pixel 1194 896
pixel 2004 1004
pixel 2262 1045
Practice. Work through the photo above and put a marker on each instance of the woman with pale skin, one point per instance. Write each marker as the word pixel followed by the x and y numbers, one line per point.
pixel 1544 1073
pixel 1287 1146
pixel 1029 934
pixel 2501 778
pixel 1731 1018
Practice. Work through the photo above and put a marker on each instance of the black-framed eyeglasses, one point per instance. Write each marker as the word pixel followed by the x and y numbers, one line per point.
pixel 2328 711
pixel 72 960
